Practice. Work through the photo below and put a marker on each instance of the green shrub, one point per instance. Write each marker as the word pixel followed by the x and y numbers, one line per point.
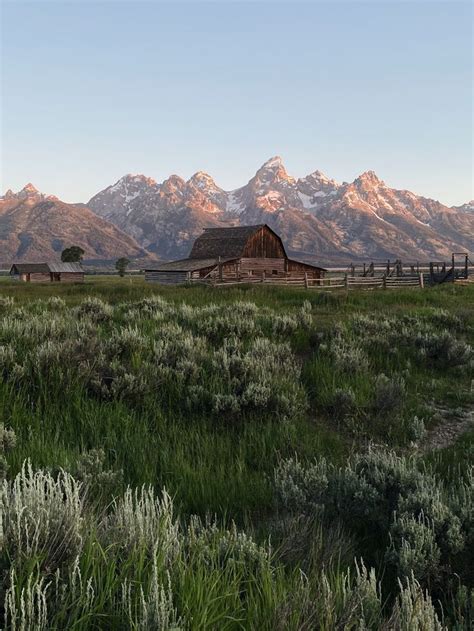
pixel 42 517
pixel 7 443
pixel 444 349
pixel 389 394
pixel 384 497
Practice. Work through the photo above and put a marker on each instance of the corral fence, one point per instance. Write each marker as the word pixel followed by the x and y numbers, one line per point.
pixel 346 281
pixel 376 275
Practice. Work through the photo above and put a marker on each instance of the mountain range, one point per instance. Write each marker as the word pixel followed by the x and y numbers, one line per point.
pixel 37 227
pixel 316 216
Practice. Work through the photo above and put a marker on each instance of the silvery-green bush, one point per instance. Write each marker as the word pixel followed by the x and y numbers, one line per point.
pixel 215 360
pixel 384 496
pixel 389 393
pixel 7 443
pixel 139 519
pixel 41 517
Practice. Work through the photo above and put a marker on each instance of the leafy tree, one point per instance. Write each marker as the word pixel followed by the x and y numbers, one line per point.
pixel 121 265
pixel 73 254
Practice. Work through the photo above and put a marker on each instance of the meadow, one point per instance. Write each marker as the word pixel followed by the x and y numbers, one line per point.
pixel 238 458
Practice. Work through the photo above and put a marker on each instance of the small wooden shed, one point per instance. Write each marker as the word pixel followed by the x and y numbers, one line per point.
pixel 234 254
pixel 48 272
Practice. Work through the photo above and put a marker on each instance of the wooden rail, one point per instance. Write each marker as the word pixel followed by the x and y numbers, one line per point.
pixel 322 284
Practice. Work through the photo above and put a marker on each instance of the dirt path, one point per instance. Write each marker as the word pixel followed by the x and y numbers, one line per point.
pixel 454 423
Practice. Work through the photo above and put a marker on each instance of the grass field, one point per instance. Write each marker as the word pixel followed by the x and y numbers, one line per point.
pixel 248 458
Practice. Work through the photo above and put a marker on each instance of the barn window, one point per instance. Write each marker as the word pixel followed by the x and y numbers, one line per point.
pixel 274 272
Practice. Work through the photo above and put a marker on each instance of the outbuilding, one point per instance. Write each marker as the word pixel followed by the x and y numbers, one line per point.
pixel 234 254
pixel 48 272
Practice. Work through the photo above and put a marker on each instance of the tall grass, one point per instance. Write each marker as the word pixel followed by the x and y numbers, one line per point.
pixel 113 391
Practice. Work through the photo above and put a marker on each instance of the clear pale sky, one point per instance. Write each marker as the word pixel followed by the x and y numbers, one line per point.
pixel 91 91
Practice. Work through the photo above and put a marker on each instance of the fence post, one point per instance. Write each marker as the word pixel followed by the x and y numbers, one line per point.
pixel 346 281
pixel 263 276
pixel 384 281
pixel 422 280
pixel 306 280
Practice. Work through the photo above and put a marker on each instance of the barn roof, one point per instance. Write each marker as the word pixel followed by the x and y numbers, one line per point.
pixel 65 267
pixel 224 242
pixel 45 268
pixel 30 268
pixel 312 265
pixel 186 265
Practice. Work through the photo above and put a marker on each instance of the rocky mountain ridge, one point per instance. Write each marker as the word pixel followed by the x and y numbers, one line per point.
pixel 37 227
pixel 315 215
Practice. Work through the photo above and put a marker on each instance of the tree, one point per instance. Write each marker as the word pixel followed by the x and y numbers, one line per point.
pixel 73 254
pixel 121 265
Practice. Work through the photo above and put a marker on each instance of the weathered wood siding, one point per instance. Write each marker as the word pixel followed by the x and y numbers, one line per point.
pixel 295 268
pixel 207 271
pixel 71 277
pixel 36 277
pixel 264 244
pixel 259 267
pixel 166 278
pixel 256 266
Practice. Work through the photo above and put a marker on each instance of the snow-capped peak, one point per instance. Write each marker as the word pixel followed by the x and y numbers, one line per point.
pixel 276 161
pixel 137 178
pixel 201 175
pixel 272 172
pixel 368 177
pixel 320 176
pixel 202 180
pixel 467 208
pixel 130 180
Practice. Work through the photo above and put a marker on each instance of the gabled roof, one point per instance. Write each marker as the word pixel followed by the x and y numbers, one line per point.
pixel 186 265
pixel 65 267
pixel 46 268
pixel 30 268
pixel 312 265
pixel 224 242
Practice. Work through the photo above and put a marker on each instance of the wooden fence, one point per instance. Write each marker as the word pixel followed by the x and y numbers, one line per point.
pixel 323 284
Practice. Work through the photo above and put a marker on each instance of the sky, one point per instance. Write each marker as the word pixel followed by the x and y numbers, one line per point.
pixel 91 91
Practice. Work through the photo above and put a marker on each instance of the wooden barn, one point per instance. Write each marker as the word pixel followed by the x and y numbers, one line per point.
pixel 48 272
pixel 234 254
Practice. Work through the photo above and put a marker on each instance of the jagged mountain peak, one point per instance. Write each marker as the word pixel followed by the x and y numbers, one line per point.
pixel 202 180
pixel 28 191
pixel 272 163
pixel 467 208
pixel 200 175
pixel 29 188
pixel 135 179
pixel 369 178
pixel 173 181
pixel 314 214
pixel 273 171
pixel 140 178
pixel 40 226
pixel 318 177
